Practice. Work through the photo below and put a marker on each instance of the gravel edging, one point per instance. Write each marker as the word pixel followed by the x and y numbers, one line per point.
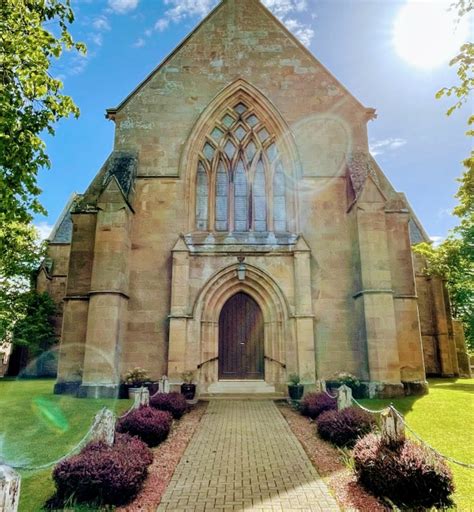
pixel 166 457
pixel 327 460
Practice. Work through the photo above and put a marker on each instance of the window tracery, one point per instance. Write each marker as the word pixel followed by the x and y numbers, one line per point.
pixel 240 181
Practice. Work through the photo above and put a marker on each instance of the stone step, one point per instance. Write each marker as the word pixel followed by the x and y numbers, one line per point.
pixel 242 396
pixel 239 387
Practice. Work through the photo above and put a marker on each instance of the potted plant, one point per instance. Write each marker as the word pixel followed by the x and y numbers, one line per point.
pixel 134 380
pixel 295 388
pixel 188 389
pixel 349 380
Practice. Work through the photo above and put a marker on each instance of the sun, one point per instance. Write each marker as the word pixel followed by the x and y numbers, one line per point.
pixel 426 34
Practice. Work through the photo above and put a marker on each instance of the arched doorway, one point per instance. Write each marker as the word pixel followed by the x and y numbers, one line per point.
pixel 241 339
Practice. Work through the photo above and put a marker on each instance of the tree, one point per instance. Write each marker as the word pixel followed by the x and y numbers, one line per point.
pixel 453 260
pixel 30 97
pixel 20 256
pixel 33 35
pixel 36 329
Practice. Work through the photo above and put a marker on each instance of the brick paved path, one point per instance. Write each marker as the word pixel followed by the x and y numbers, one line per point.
pixel 244 456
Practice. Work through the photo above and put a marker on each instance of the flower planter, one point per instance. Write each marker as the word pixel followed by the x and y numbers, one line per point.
pixel 132 392
pixel 188 390
pixel 296 391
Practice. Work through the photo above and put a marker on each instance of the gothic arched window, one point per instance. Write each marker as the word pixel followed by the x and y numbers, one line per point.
pixel 240 184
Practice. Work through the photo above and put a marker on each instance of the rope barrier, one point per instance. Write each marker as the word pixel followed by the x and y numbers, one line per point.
pixel 329 395
pixel 73 451
pixel 371 411
pixel 450 459
pixel 415 435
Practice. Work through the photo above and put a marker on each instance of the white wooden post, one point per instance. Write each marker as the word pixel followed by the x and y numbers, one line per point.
pixel 344 397
pixel 103 428
pixel 393 428
pixel 10 482
pixel 322 384
pixel 166 384
pixel 141 398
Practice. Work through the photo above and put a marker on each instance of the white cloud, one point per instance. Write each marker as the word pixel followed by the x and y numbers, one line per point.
pixel 44 229
pixel 285 10
pixel 101 23
pixel 379 147
pixel 97 39
pixel 437 240
pixel 139 43
pixel 123 6
pixel 160 25
pixel 78 64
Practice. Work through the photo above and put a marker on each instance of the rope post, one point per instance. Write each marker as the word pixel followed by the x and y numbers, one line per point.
pixel 10 482
pixel 103 428
pixel 344 397
pixel 142 398
pixel 164 384
pixel 393 427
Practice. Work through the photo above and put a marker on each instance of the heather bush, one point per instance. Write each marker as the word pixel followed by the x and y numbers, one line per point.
pixel 149 424
pixel 344 428
pixel 102 474
pixel 175 403
pixel 314 404
pixel 410 475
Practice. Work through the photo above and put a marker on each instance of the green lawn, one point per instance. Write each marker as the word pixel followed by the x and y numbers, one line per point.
pixel 445 419
pixel 37 427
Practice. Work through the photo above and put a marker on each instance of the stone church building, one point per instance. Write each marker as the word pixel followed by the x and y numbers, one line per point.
pixel 242 230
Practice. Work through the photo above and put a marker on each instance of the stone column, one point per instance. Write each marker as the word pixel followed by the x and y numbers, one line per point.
pixel 445 342
pixel 76 303
pixel 108 305
pixel 304 316
pixel 376 293
pixel 410 348
pixel 179 311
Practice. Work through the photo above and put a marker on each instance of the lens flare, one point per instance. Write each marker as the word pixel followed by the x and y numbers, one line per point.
pixel 51 414
pixel 426 34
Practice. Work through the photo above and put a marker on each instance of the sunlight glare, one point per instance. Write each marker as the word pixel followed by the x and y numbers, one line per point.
pixel 426 35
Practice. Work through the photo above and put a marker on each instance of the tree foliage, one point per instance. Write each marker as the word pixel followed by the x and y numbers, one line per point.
pixel 30 97
pixel 33 35
pixel 36 329
pixel 453 260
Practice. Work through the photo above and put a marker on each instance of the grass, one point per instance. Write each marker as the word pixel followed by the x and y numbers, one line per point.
pixel 37 427
pixel 444 419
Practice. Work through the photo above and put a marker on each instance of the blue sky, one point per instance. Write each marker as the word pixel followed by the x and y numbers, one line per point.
pixel 417 146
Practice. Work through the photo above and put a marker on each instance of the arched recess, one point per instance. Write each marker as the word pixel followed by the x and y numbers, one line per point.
pixel 268 114
pixel 278 337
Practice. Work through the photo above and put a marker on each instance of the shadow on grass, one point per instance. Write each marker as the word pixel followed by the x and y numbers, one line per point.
pixel 453 385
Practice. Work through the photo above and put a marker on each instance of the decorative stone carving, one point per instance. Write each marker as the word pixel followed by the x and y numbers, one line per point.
pixel 10 482
pixel 344 397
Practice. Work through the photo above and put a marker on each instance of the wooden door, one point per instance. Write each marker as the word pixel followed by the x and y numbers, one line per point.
pixel 241 339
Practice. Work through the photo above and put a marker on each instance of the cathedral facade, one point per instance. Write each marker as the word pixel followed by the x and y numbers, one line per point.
pixel 241 229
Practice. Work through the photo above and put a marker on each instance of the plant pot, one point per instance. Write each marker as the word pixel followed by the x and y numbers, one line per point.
pixel 296 391
pixel 133 391
pixel 188 390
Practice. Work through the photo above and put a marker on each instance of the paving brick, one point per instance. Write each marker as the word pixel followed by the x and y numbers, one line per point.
pixel 244 456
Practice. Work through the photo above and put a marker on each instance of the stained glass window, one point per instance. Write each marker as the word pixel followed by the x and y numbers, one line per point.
pixel 202 198
pixel 243 154
pixel 241 198
pixel 222 198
